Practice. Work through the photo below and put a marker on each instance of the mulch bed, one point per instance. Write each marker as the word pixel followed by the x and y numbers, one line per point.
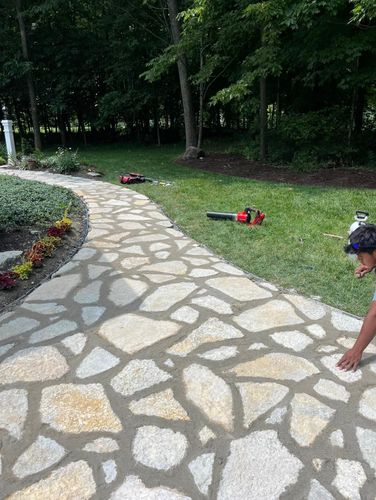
pixel 239 166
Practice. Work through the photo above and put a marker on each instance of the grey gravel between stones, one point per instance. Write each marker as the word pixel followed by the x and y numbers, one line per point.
pixel 148 368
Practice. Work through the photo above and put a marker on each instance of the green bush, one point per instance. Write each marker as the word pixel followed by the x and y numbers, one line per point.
pixel 2 161
pixel 64 161
pixel 25 203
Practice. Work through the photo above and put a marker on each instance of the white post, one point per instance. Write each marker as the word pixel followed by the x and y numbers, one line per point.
pixel 9 140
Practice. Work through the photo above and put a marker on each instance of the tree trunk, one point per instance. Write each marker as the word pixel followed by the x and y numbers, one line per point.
pixel 29 78
pixel 263 119
pixel 189 118
pixel 63 130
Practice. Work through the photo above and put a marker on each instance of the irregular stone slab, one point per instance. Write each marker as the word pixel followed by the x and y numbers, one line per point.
pixel 43 453
pixel 132 333
pixel 109 470
pixel 326 348
pixel 274 314
pixel 210 302
pixel 13 411
pixel 85 253
pixel 33 364
pixel 138 375
pixel 238 288
pixel 162 404
pixel 89 293
pixel 257 346
pixel 213 330
pixel 159 278
pixel 210 394
pixel 95 271
pixel 5 348
pixel 202 471
pixel 259 398
pixel 102 445
pixel 225 352
pixel 186 314
pixel 349 479
pixel 134 249
pixel 198 251
pixel 226 268
pixel 336 438
pixel 17 326
pixel 277 416
pixel 131 262
pixel 131 225
pixel 158 448
pixel 294 340
pixel 317 331
pixel 367 444
pixel 318 492
pixel 91 314
pixel 259 466
pixel 276 366
pixel 48 308
pixel 67 268
pixel 175 267
pixel 108 257
pixel 206 435
pixel 310 308
pixel 202 273
pixel 133 488
pixel 74 409
pixel 55 289
pixel 330 363
pixel 331 390
pixel 166 296
pixel 148 238
pixel 345 322
pixel 71 481
pixel 75 343
pixel 124 291
pixel 156 247
pixel 348 343
pixel 52 331
pixel 367 404
pixel 98 361
pixel 309 417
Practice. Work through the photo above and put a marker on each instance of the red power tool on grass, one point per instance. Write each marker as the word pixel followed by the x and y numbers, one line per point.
pixel 134 178
pixel 245 217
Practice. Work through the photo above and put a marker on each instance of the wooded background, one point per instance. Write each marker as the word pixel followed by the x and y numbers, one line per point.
pixel 298 77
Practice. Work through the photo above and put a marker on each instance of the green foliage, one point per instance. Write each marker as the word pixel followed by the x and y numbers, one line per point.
pixel 23 270
pixel 64 161
pixel 26 203
pixel 2 161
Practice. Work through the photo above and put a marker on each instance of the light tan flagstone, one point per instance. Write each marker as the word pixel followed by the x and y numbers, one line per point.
pixel 345 322
pixel 139 374
pixel 98 361
pixel 33 364
pixel 202 470
pixel 318 492
pixel 210 394
pixel 294 340
pixel 221 353
pixel 43 453
pixel 259 398
pixel 13 411
pixel 213 303
pixel 349 479
pixel 309 417
pixel 132 333
pixel 186 314
pixel 275 313
pixel 131 262
pixel 162 404
pixel 310 308
pixel 348 343
pixel 213 330
pixel 331 390
pixel 239 288
pixel 57 288
pixel 206 435
pixel 276 366
pixel 158 448
pixel 73 481
pixel 317 331
pixel 89 293
pixel 75 343
pixel 74 409
pixel 172 267
pixel 336 438
pixel 124 291
pixel 367 404
pixel 367 444
pixel 166 296
pixel 133 488
pixel 102 445
pixel 330 363
pixel 259 467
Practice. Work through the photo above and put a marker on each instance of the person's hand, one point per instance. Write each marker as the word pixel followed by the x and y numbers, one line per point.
pixel 362 270
pixel 350 360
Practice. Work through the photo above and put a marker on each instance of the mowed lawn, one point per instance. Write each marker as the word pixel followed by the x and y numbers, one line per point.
pixel 289 249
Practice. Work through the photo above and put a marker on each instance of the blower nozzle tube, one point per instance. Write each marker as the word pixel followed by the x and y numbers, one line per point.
pixel 221 215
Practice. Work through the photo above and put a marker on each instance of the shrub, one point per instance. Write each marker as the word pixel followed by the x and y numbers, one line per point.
pixel 8 280
pixel 23 270
pixel 2 161
pixel 56 232
pixel 65 161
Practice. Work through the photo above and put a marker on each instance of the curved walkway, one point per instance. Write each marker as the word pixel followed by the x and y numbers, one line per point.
pixel 149 368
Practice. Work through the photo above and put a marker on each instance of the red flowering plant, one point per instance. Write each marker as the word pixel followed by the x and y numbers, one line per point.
pixel 55 231
pixel 8 280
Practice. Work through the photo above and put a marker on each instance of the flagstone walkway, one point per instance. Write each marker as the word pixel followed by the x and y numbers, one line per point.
pixel 148 368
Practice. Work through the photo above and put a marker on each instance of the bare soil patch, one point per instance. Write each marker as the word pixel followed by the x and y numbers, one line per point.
pixel 239 166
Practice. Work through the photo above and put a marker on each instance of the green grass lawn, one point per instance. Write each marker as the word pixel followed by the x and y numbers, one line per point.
pixel 289 249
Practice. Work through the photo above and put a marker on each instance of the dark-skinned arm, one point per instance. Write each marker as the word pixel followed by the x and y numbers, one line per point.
pixel 350 360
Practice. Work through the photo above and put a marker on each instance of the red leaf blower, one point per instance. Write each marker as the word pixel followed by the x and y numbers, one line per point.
pixel 134 178
pixel 245 217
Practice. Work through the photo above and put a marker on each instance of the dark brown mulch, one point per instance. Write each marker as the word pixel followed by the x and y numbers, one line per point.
pixel 239 166
pixel 23 240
